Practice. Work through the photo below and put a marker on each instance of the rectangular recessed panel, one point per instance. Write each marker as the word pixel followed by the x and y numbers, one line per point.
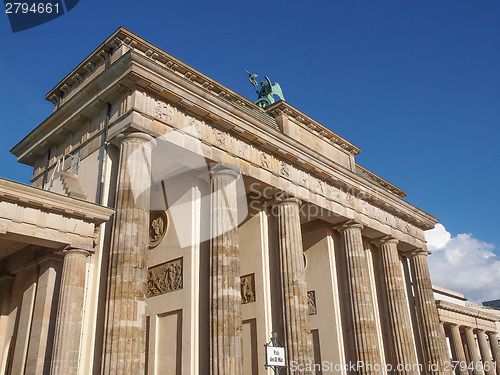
pixel 169 344
pixel 250 366
pixel 317 353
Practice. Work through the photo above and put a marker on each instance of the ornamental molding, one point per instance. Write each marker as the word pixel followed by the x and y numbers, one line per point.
pixel 312 126
pixel 365 173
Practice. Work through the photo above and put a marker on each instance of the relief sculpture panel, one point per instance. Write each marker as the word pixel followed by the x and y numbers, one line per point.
pixel 311 299
pixel 157 227
pixel 247 289
pixel 165 277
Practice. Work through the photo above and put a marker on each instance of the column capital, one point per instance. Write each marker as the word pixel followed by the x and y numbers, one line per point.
pixel 286 199
pixel 53 257
pixel 418 252
pixel 283 198
pixel 385 240
pixel 224 170
pixel 74 250
pixel 133 134
pixel 348 225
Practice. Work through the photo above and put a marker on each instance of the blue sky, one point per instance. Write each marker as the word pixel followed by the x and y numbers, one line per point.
pixel 415 85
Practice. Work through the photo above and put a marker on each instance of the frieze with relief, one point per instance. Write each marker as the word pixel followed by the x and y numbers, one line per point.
pixel 163 111
pixel 264 160
pixel 165 278
pixel 220 137
pixel 284 169
pixel 297 175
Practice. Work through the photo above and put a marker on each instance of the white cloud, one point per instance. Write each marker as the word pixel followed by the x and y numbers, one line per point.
pixel 463 264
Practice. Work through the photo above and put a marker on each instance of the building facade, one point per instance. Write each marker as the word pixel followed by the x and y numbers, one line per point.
pixel 214 222
pixel 471 333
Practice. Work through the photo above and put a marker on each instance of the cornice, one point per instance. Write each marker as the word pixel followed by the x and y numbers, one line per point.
pixel 369 175
pixel 43 199
pixel 73 113
pixel 123 37
pixel 464 310
pixel 312 126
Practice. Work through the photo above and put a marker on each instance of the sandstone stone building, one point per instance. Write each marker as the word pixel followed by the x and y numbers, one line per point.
pixel 173 224
pixel 470 329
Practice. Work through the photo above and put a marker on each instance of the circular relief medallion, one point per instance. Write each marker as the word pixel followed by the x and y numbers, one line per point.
pixel 157 227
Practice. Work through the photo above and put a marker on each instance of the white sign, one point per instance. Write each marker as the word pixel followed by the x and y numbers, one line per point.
pixel 275 356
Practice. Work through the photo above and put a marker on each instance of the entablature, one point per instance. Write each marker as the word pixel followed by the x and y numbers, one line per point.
pixel 29 215
pixel 282 108
pixel 451 313
pixel 137 73
pixel 29 196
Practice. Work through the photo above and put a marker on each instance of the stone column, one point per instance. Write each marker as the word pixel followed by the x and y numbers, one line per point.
pixel 495 349
pixel 396 301
pixel 6 281
pixel 432 336
pixel 364 334
pixel 226 355
pixel 484 347
pixel 24 319
pixel 295 307
pixel 68 329
pixel 44 315
pixel 125 330
pixel 473 351
pixel 457 348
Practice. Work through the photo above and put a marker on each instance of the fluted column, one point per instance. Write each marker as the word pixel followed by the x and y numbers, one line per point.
pixel 473 351
pixel 68 329
pixel 6 281
pixel 495 349
pixel 124 348
pixel 484 347
pixel 225 304
pixel 457 348
pixel 41 336
pixel 431 334
pixel 396 301
pixel 366 344
pixel 297 326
